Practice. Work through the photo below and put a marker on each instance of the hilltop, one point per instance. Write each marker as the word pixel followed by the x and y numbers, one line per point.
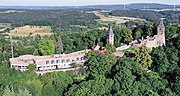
pixel 104 7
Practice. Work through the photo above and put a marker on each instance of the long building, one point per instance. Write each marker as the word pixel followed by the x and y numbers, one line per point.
pixel 49 63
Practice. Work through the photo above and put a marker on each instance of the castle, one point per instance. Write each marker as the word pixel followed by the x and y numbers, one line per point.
pixel 63 62
pixel 158 39
pixel 150 42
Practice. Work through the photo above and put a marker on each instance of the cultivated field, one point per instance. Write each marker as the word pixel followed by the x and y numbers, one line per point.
pixel 102 28
pixel 10 11
pixel 31 31
pixel 2 29
pixel 110 19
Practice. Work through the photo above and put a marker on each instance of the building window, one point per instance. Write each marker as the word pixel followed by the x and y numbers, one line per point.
pixel 47 62
pixel 77 59
pixel 57 61
pixel 68 60
pixel 52 61
pixel 62 61
pixel 14 66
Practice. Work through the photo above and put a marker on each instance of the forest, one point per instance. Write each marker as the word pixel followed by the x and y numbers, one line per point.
pixel 171 16
pixel 104 74
pixel 74 21
pixel 144 72
pixel 62 21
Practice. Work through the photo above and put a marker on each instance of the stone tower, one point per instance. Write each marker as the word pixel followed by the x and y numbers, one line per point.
pixel 110 36
pixel 161 33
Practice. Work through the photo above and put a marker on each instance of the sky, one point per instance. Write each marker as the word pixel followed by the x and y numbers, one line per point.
pixel 80 2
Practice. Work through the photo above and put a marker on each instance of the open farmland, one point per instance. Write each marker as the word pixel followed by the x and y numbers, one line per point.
pixel 105 20
pixel 31 31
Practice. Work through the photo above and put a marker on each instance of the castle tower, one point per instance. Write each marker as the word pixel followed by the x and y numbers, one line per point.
pixel 161 33
pixel 110 36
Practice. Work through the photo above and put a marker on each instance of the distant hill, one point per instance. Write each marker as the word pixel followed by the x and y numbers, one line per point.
pixel 106 7
pixel 132 6
pixel 151 6
pixel 37 7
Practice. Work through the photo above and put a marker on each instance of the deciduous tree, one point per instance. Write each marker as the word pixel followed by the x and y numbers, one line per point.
pixel 46 47
pixel 143 57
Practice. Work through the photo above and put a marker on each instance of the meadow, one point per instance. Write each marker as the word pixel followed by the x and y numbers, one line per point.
pixel 31 31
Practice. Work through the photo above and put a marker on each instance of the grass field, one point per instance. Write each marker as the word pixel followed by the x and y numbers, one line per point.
pixel 5 24
pixel 105 22
pixel 110 19
pixel 2 29
pixel 79 26
pixel 31 31
pixel 129 49
pixel 103 28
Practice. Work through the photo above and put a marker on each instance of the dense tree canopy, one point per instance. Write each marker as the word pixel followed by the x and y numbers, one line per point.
pixel 104 74
pixel 61 21
pixel 143 57
pixel 46 47
pixel 127 35
pixel 171 16
pixel 110 48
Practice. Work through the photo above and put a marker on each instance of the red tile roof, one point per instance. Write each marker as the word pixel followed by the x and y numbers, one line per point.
pixel 103 52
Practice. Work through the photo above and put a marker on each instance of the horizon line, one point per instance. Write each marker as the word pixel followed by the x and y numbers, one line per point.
pixel 82 5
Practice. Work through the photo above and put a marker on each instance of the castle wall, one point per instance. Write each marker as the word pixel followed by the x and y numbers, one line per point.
pixel 151 44
pixel 123 47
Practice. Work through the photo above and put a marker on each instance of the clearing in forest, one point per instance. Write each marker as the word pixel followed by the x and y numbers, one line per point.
pixel 105 20
pixel 31 31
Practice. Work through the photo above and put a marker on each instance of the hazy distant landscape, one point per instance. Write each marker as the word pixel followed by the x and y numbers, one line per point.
pixel 105 7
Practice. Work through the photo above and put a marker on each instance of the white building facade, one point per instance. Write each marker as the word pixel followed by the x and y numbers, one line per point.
pixel 49 63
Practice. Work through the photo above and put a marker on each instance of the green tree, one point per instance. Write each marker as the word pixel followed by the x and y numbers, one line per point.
pixel 31 67
pixel 35 87
pixel 123 80
pixel 97 87
pixel 118 37
pixel 170 30
pixel 99 64
pixel 110 48
pixel 149 29
pixel 125 73
pixel 11 92
pixel 137 33
pixel 46 47
pixel 56 83
pixel 127 35
pixel 160 61
pixel 143 57
pixel 151 93
pixel 176 86
pixel 165 60
pixel 26 50
pixel 24 92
